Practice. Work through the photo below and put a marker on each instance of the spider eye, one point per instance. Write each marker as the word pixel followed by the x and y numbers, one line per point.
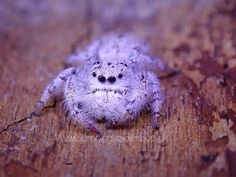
pixel 120 76
pixel 111 79
pixel 102 79
pixel 94 74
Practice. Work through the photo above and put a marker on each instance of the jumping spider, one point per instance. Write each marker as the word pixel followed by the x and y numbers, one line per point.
pixel 110 80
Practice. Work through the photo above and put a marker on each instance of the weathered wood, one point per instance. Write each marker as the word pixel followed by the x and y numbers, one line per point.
pixel 198 126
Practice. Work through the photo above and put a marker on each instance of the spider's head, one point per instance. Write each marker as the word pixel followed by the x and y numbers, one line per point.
pixel 110 73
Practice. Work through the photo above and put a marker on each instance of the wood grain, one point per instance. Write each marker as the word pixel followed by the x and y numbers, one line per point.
pixel 197 136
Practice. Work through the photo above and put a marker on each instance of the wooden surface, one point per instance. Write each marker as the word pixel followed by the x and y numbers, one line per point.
pixel 197 137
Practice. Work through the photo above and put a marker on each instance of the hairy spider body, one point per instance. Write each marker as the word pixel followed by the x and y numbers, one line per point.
pixel 109 80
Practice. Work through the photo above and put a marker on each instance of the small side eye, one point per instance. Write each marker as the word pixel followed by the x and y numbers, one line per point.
pixel 120 76
pixel 94 74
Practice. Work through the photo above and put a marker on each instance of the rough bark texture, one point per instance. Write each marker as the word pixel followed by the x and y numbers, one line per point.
pixel 197 136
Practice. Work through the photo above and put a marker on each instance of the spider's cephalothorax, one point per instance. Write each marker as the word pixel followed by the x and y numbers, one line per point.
pixel 109 80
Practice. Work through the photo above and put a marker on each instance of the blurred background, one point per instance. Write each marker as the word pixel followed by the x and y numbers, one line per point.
pixel 197 134
pixel 175 28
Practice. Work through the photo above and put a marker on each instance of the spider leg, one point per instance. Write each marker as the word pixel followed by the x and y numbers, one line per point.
pixel 124 120
pixel 134 104
pixel 75 107
pixel 156 99
pixel 52 92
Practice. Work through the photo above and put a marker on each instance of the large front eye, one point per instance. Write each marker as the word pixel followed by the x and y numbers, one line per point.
pixel 111 79
pixel 101 79
pixel 94 74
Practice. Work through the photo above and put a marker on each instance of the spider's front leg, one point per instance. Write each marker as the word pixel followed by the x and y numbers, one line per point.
pixel 156 99
pixel 53 91
pixel 133 105
pixel 76 108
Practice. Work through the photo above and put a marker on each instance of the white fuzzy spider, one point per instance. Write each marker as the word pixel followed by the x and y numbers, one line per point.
pixel 110 80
